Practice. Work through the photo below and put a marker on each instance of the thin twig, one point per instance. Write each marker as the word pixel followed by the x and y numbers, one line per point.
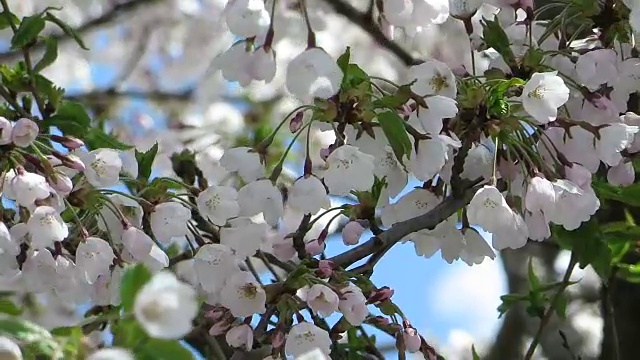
pixel 552 307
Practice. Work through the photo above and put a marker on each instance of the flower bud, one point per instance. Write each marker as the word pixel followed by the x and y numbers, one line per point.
pixel 325 269
pixel 352 232
pixel 622 174
pixel 24 132
pixel 314 248
pixel 240 337
pixel 296 122
pixel 412 340
pixel 380 295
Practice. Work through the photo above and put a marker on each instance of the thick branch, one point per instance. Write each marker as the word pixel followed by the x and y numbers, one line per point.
pixel 108 17
pixel 365 22
pixel 113 94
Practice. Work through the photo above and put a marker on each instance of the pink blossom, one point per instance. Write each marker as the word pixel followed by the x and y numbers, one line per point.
pixel 352 232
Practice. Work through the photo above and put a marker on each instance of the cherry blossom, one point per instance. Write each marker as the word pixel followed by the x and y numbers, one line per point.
pixel 242 295
pixel 313 73
pixel 348 168
pixel 305 337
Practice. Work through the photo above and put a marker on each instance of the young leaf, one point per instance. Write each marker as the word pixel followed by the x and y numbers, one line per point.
pixel 68 30
pixel 71 118
pixel 37 339
pixel 6 19
pixel 96 138
pixel 132 282
pixel 29 29
pixel 343 61
pixel 474 353
pixel 495 37
pixel 393 128
pixel 145 162
pixel 50 54
pixel 8 307
pixel 534 281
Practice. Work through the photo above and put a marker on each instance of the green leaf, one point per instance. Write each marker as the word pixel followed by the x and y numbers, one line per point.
pixel 96 139
pixel 629 195
pixel 145 162
pixel 495 37
pixel 68 30
pixel 561 305
pixel 156 349
pixel 474 353
pixel 9 307
pixel 50 54
pixel 588 245
pixel 132 282
pixel 394 101
pixel 71 118
pixel 393 128
pixel 6 19
pixel 343 61
pixel 38 339
pixel 30 28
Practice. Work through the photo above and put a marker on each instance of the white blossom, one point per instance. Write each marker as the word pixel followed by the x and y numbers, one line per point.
pixel 543 94
pixel 169 220
pixel 218 204
pixel 243 295
pixel 305 337
pixel 261 196
pixel 308 195
pixel 46 227
pixel 165 307
pixel 24 132
pixel 349 169
pixel 313 73
pixel 103 167
pixel 94 256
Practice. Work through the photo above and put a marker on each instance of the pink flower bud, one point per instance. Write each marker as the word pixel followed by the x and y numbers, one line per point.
pixel 296 122
pixel 412 340
pixel 73 162
pixel 622 174
pixel 378 321
pixel 69 142
pixel 314 248
pixel 215 314
pixel 352 232
pixel 325 269
pixel 61 183
pixel 24 132
pixel 380 295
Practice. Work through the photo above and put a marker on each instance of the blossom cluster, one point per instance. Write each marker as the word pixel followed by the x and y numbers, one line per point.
pixel 517 139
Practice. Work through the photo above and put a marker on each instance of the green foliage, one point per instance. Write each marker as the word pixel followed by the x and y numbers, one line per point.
pixel 71 119
pixel 588 245
pixel 394 130
pixel 353 74
pixel 50 54
pixel 68 30
pixel 9 307
pixel 495 37
pixel 28 31
pixel 7 19
pixel 37 340
pixel 96 138
pixel 132 281
pixel 145 162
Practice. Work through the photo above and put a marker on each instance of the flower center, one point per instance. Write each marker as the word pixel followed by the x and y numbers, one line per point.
pixel 490 204
pixel 536 93
pixel 438 82
pixel 153 310
pixel 249 291
pixel 213 203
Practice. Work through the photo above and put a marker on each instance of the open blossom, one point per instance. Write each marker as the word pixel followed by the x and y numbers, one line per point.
pixel 94 256
pixel 433 77
pixel 243 161
pixel 246 18
pixel 137 243
pixel 24 132
pixel 349 169
pixel 241 337
pixel 213 264
pixel 218 204
pixel 313 73
pixel 103 167
pixel 261 196
pixel 243 295
pixel 9 350
pixel 165 307
pixel 353 305
pixel 5 131
pixel 244 236
pixel 169 220
pixel 543 94
pixel 322 300
pixel 111 354
pixel 26 187
pixel 305 337
pixel 308 195
pixel 46 227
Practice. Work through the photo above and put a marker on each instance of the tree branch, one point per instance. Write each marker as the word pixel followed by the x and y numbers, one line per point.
pixel 399 230
pixel 365 22
pixel 120 8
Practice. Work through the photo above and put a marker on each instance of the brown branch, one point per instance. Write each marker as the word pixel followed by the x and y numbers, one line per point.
pixel 399 230
pixel 120 8
pixel 366 23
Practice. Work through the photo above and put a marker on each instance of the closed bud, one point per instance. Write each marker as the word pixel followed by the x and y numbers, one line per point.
pixel 296 122
pixel 314 247
pixel 24 132
pixel 380 295
pixel 325 269
pixel 69 142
